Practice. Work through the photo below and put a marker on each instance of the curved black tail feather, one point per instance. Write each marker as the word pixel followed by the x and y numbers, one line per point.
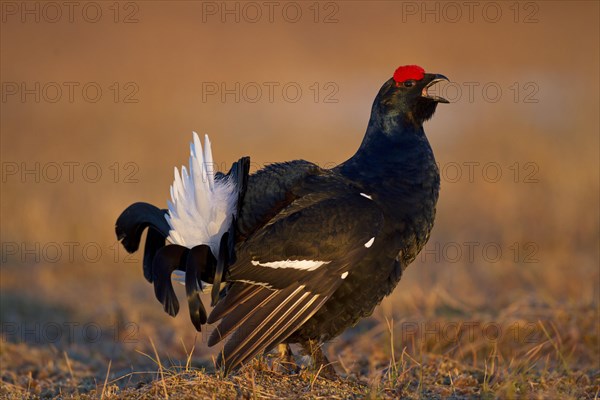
pixel 199 259
pixel 154 242
pixel 222 263
pixel 167 260
pixel 131 224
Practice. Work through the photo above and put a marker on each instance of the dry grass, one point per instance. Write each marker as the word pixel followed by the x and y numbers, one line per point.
pixel 540 373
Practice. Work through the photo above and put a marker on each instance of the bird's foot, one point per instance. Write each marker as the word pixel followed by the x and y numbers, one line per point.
pixel 321 364
pixel 284 362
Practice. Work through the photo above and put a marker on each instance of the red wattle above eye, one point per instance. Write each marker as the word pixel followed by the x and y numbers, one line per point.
pixel 408 72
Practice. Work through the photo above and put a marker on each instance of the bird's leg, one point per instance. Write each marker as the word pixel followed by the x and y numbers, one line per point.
pixel 321 363
pixel 286 357
pixel 285 352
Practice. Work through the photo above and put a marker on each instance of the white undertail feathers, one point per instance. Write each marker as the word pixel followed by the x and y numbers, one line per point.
pixel 201 208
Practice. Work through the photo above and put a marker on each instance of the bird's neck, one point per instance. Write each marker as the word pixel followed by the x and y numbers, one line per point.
pixel 393 152
pixel 398 169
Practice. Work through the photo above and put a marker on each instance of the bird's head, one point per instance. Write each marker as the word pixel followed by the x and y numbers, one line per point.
pixel 405 97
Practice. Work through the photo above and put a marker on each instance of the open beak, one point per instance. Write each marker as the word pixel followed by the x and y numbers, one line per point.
pixel 435 79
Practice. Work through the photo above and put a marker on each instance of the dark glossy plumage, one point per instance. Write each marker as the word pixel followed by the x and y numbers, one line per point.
pixel 311 250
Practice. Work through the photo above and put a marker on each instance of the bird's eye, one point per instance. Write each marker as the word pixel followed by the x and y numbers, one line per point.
pixel 409 83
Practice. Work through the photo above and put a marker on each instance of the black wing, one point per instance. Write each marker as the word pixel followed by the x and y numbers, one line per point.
pixel 289 268
pixel 269 191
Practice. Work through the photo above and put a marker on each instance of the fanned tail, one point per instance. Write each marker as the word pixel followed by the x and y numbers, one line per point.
pixel 199 224
pixel 201 208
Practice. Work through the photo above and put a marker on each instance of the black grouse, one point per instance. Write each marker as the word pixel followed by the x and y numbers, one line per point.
pixel 296 253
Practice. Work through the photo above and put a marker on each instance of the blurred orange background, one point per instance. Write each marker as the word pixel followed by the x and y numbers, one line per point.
pixel 525 105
